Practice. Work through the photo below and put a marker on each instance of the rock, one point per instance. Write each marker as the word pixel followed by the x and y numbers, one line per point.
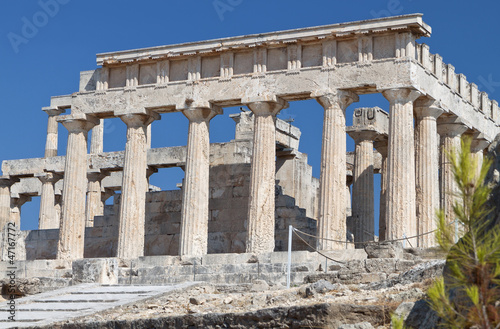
pixel 227 300
pixel 411 294
pixel 384 250
pixel 422 316
pixel 306 292
pixel 259 286
pixel 197 300
pixel 404 309
pixel 322 286
pixel 259 300
pixel 361 325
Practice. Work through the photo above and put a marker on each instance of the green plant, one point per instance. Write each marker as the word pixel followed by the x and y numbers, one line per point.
pixel 468 296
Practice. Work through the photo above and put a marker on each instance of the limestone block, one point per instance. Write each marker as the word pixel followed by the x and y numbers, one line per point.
pixel 380 265
pixel 98 270
pixel 384 250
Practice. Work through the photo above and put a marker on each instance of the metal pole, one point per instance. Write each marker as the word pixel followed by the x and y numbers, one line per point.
pixel 290 230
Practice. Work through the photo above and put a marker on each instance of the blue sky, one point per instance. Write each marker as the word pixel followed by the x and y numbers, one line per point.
pixel 45 61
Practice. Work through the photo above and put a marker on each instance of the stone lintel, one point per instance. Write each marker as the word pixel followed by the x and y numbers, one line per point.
pixel 48 177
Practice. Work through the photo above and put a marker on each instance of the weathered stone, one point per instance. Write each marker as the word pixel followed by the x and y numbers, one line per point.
pixel 384 250
pixel 99 270
pixel 361 325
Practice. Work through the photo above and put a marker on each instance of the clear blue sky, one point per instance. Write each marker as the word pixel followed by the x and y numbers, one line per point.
pixel 46 61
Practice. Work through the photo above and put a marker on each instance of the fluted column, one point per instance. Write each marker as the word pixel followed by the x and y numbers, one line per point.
pixel 134 186
pixel 51 143
pixel 427 168
pixel 48 218
pixel 95 205
pixel 382 147
pixel 478 145
pixel 15 208
pixel 332 203
pixel 450 128
pixel 72 229
pixel 97 138
pixel 363 212
pixel 5 185
pixel 194 216
pixel 261 208
pixel 400 193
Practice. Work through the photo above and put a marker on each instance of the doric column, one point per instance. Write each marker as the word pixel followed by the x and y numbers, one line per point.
pixel 95 205
pixel 363 212
pixel 400 194
pixel 478 145
pixel 450 128
pixel 5 184
pixel 261 208
pixel 51 143
pixel 15 208
pixel 134 186
pixel 72 231
pixel 97 138
pixel 48 218
pixel 332 203
pixel 427 168
pixel 382 147
pixel 195 189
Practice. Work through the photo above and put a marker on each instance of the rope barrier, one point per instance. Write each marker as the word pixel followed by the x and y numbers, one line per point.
pixel 316 250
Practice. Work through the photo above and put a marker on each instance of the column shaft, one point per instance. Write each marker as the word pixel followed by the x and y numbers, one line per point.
pixel 363 212
pixel 52 131
pixel 134 188
pixel 95 205
pixel 5 184
pixel 382 147
pixel 427 173
pixel 97 138
pixel 261 208
pixel 72 229
pixel 332 203
pixel 48 218
pixel 400 193
pixel 194 228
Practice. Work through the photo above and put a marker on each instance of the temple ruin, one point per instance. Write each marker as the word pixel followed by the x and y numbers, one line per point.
pixel 240 196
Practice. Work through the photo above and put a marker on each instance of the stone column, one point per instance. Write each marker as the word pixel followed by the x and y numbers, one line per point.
pixel 95 205
pixel 478 145
pixel 382 147
pixel 427 168
pixel 332 203
pixel 48 218
pixel 261 208
pixel 134 186
pixel 97 138
pixel 51 143
pixel 72 229
pixel 363 212
pixel 400 193
pixel 5 184
pixel 450 128
pixel 195 189
pixel 15 208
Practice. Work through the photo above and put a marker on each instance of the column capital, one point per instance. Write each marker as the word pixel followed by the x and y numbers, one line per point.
pixel 329 98
pixel 479 142
pixel 78 122
pixel 382 146
pixel 19 199
pixel 52 111
pixel 264 104
pixel 139 119
pixel 362 135
pixel 51 177
pixel 401 95
pixel 200 114
pixel 427 107
pixel 450 126
pixel 96 174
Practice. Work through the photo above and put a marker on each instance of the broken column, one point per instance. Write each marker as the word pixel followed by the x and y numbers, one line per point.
pixel 48 218
pixel 332 203
pixel 72 231
pixel 450 128
pixel 134 185
pixel 51 143
pixel 260 235
pixel 194 215
pixel 400 193
pixel 427 163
